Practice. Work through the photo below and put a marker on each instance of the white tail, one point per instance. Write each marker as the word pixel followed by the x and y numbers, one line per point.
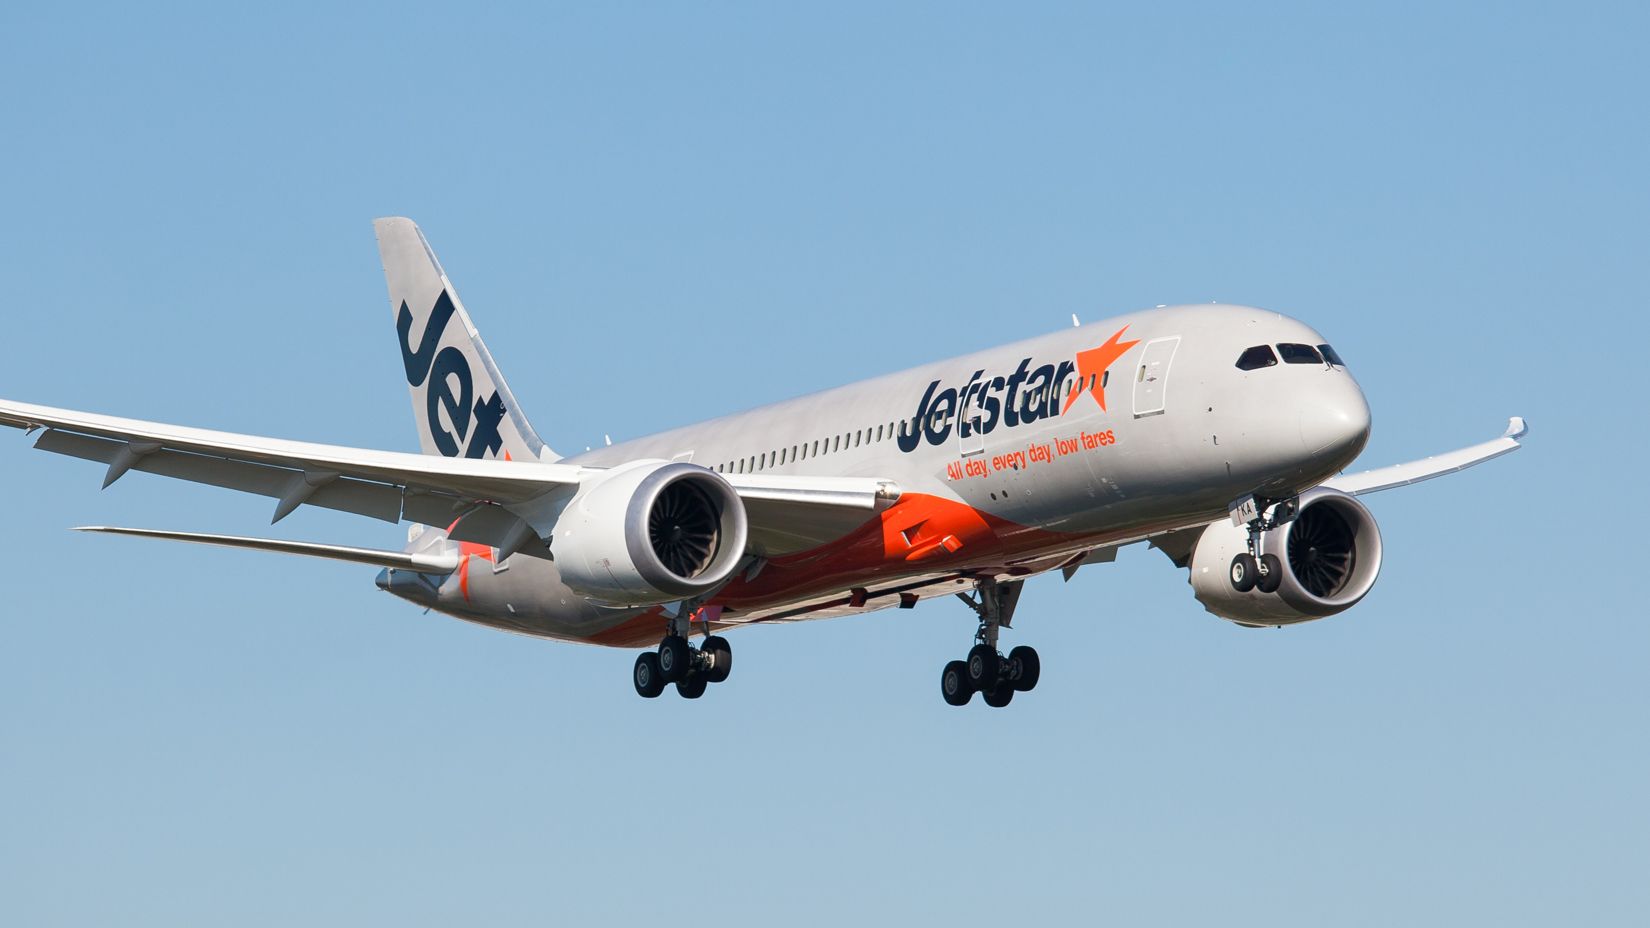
pixel 461 403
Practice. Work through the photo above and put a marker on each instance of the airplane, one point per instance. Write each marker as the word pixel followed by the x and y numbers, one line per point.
pixel 1217 434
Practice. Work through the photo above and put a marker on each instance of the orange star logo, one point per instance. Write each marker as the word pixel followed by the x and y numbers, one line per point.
pixel 1094 362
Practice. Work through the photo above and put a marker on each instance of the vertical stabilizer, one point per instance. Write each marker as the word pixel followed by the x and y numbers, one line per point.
pixel 461 404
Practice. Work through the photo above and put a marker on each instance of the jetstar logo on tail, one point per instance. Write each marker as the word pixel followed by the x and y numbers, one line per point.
pixel 451 386
pixel 1024 396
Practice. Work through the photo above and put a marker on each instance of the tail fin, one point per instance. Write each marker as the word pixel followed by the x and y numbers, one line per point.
pixel 460 401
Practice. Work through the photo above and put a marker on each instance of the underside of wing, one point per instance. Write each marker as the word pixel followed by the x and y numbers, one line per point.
pixel 437 563
pixel 386 485
pixel 1398 475
pixel 788 514
pixel 477 500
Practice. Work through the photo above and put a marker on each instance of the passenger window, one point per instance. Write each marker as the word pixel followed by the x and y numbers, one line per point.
pixel 1300 354
pixel 1331 356
pixel 1257 357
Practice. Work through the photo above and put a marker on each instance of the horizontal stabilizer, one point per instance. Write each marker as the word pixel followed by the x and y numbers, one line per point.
pixel 422 563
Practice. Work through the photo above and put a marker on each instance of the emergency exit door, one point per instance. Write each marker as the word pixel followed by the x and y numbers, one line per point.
pixel 1151 377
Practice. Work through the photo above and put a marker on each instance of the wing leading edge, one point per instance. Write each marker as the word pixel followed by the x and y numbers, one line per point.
pixel 1398 475
pixel 439 563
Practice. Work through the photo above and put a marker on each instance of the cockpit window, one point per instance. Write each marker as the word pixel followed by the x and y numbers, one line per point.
pixel 1300 354
pixel 1330 356
pixel 1257 357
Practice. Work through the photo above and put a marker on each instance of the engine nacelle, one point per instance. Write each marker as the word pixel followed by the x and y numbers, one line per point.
pixel 1331 554
pixel 650 532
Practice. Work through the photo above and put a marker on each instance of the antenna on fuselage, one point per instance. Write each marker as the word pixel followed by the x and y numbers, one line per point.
pixel 1074 323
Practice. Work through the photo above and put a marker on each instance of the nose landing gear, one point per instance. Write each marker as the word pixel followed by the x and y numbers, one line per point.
pixel 987 671
pixel 1253 571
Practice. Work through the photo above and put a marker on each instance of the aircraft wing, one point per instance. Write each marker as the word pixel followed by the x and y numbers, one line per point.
pixel 440 563
pixel 385 485
pixel 477 494
pixel 1398 475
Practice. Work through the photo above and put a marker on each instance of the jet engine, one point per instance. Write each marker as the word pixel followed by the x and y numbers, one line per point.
pixel 650 532
pixel 1330 550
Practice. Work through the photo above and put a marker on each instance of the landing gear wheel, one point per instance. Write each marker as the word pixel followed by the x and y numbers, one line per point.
pixel 721 658
pixel 1244 572
pixel 1024 668
pixel 954 684
pixel 1272 578
pixel 649 681
pixel 999 695
pixel 693 687
pixel 675 658
pixel 984 667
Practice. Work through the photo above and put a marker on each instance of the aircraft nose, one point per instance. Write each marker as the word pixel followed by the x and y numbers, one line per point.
pixel 1334 422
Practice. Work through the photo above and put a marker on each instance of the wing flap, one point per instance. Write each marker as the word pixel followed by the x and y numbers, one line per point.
pixel 377 500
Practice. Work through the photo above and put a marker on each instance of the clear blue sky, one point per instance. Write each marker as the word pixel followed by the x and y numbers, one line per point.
pixel 658 213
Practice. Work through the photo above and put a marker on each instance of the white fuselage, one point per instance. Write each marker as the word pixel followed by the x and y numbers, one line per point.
pixel 1004 458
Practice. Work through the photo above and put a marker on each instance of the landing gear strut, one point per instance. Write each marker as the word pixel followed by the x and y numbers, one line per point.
pixel 1252 570
pixel 987 671
pixel 676 661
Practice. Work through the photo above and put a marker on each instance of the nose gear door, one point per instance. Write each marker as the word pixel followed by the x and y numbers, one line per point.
pixel 1151 378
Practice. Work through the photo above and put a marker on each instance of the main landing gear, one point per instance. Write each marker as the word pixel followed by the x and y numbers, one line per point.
pixel 987 671
pixel 691 669
pixel 1263 572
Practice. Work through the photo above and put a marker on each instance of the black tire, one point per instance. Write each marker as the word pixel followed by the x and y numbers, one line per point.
pixel 954 684
pixel 693 687
pixel 646 676
pixel 1269 581
pixel 721 658
pixel 984 667
pixel 675 658
pixel 1243 572
pixel 1024 668
pixel 1000 695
